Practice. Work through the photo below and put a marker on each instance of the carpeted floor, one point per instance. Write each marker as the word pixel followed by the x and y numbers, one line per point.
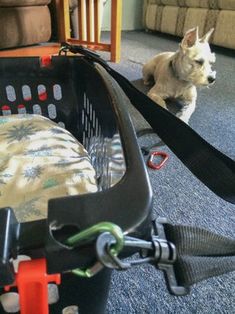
pixel 178 195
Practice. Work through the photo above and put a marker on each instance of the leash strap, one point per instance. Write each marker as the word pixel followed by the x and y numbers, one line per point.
pixel 200 254
pixel 210 166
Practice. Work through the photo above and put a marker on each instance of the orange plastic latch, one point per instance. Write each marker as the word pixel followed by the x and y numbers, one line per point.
pixel 31 281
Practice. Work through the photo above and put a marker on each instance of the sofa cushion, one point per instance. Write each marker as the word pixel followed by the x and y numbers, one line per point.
pixel 21 26
pixel 22 3
pixel 180 21
pixel 226 4
pixel 170 2
pixel 223 35
pixel 169 19
pixel 197 4
pixel 196 17
pixel 151 16
pixel 177 16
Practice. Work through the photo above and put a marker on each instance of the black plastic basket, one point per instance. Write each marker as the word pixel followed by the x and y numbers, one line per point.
pixel 80 96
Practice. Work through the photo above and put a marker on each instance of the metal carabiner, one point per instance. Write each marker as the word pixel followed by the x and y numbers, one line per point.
pixel 88 235
pixel 158 166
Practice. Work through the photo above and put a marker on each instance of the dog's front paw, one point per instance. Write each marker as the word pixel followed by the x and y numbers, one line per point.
pixel 158 100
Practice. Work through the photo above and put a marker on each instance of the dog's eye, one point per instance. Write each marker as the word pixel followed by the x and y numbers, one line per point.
pixel 200 61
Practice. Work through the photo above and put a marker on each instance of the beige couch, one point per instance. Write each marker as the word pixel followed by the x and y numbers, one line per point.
pixel 24 22
pixel 177 16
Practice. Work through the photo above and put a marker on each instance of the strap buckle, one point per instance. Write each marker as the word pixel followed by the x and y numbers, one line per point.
pixel 158 252
pixel 168 257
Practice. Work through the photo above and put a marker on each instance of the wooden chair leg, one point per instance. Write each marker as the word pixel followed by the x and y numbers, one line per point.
pixel 116 20
pixel 90 28
pixel 63 20
pixel 97 21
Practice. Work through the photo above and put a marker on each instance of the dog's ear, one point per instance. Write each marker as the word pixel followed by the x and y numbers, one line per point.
pixel 207 36
pixel 190 38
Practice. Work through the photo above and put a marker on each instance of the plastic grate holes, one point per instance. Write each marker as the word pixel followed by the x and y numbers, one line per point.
pixel 11 94
pixel 61 124
pixel 89 120
pixel 53 293
pixel 72 309
pixel 57 92
pixel 52 113
pixel 42 92
pixel 84 139
pixel 6 110
pixel 26 92
pixel 21 109
pixel 10 302
pixel 19 259
pixel 37 109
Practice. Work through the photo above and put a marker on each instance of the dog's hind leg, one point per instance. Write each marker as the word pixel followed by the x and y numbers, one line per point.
pixel 148 79
pixel 148 73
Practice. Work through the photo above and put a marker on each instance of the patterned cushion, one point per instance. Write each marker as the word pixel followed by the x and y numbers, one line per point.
pixel 40 160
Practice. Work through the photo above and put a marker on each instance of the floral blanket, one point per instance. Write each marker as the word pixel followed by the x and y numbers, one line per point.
pixel 39 160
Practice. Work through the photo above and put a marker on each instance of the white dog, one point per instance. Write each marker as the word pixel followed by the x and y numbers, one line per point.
pixel 177 74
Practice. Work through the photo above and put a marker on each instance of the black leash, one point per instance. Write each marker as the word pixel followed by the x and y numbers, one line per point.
pixel 200 253
pixel 210 166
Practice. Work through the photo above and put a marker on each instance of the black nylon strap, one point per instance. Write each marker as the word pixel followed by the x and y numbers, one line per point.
pixel 214 169
pixel 200 253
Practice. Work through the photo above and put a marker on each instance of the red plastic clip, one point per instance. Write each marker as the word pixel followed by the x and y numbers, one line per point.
pixel 158 166
pixel 45 61
pixel 31 281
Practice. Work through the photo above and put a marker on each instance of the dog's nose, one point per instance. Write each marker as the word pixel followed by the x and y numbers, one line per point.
pixel 211 79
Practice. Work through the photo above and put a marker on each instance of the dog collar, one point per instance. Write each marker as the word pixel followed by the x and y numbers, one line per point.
pixel 173 70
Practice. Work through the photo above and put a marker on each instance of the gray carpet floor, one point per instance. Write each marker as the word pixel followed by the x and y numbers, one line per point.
pixel 178 195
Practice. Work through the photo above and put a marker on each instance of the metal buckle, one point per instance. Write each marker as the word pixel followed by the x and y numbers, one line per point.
pixel 154 165
pixel 88 235
pixel 159 252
